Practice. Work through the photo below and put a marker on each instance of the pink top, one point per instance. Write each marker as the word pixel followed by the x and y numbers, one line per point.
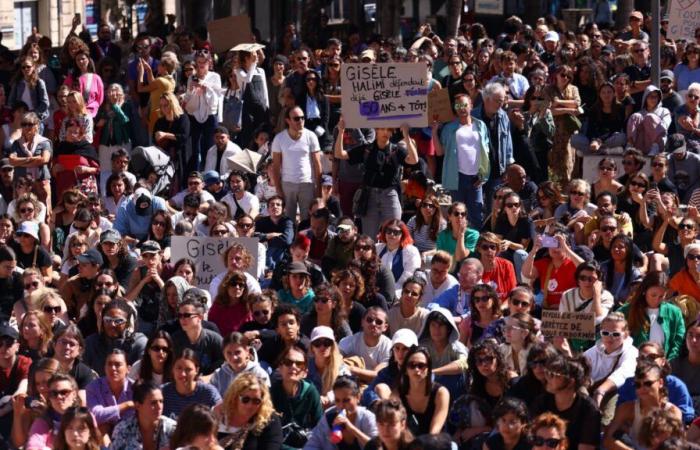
pixel 96 95
pixel 40 436
pixel 229 318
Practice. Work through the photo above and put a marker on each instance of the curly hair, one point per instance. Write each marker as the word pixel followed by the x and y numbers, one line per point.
pixel 245 254
pixel 551 420
pixel 657 422
pixel 222 297
pixel 244 382
pixel 486 347
pixel 347 274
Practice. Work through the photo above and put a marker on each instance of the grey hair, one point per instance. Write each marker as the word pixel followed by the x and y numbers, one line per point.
pixel 493 89
pixel 473 262
pixel 116 86
pixel 694 87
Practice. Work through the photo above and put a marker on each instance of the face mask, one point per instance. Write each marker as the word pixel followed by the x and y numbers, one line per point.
pixel 143 204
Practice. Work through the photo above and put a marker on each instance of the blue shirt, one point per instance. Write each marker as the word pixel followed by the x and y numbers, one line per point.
pixel 129 223
pixel 449 300
pixel 677 394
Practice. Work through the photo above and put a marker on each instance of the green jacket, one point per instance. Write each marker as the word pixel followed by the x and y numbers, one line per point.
pixel 304 408
pixel 116 128
pixel 672 323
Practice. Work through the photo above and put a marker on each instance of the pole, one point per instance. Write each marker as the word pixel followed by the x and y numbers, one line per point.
pixel 655 41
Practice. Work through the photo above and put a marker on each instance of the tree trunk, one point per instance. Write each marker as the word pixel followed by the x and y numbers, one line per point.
pixel 624 8
pixel 454 13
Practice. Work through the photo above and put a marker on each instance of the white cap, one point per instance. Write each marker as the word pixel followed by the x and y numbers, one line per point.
pixel 142 191
pixel 322 332
pixel 404 336
pixel 30 228
pixel 551 36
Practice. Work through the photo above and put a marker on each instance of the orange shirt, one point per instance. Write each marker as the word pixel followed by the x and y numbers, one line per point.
pixel 560 279
pixel 684 284
pixel 502 277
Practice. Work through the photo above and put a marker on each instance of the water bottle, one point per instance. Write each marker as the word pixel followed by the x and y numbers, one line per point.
pixel 337 430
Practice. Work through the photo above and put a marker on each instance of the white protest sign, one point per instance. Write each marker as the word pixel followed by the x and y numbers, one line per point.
pixel 384 95
pixel 683 19
pixel 208 255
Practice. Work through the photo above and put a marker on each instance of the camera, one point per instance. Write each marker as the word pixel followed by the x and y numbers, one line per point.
pixel 549 242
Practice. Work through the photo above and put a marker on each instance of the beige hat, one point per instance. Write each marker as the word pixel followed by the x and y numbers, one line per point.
pixel 369 53
pixel 637 14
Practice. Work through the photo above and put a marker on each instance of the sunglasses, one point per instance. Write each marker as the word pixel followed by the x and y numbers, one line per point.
pixel 577 193
pixel 158 223
pixel 334 65
pixel 427 206
pixel 246 399
pixel 488 247
pixel 628 162
pixel 646 383
pixel 540 441
pixel 692 96
pixel 417 365
pixel 297 118
pixel 322 343
pixel 693 257
pixel 363 248
pixel 393 232
pixel 61 393
pixel 512 205
pixel 481 298
pixel 315 80
pixel 291 363
pixel 586 278
pixel 658 164
pixel 686 226
pixel 237 284
pixel 186 315
pixel 160 349
pixel 7 341
pixel 49 309
pixel 116 321
pixel 481 360
pixel 615 334
pixel 34 285
pixel 245 226
pixel 638 184
pixel 520 303
pixel 27 124
pixel 261 313
pixel 551 374
pixel 608 229
pixel 607 169
pixel 459 214
pixel 372 321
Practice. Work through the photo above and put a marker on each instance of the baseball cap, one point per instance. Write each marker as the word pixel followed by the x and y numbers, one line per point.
pixel 91 256
pixel 551 36
pixel 211 177
pixel 667 75
pixel 150 247
pixel 676 143
pixel 196 174
pixel 9 331
pixel 344 228
pixel 5 163
pixel 326 180
pixel 322 332
pixel 405 337
pixel 298 267
pixel 142 191
pixel 29 228
pixel 111 235
pixel 369 53
pixel 637 15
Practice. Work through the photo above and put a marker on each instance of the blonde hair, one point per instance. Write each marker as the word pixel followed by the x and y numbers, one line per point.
pixel 39 298
pixel 169 62
pixel 173 102
pixel 615 317
pixel 582 184
pixel 78 97
pixel 335 361
pixel 249 381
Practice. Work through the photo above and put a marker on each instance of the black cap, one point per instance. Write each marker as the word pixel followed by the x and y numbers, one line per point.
pixel 9 331
pixel 676 143
pixel 5 163
pixel 91 256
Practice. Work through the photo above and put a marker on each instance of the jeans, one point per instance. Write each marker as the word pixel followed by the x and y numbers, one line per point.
pixel 383 205
pixel 202 135
pixel 471 196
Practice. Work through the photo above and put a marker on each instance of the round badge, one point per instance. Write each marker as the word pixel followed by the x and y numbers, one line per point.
pixel 552 285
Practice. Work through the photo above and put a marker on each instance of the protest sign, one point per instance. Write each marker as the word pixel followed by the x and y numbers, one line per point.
pixel 571 325
pixel 439 107
pixel 683 19
pixel 228 32
pixel 384 95
pixel 208 255
pixel 488 7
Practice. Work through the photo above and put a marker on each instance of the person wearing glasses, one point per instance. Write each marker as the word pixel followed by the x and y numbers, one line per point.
pixel 295 397
pixel 511 417
pixel 408 313
pixel 28 252
pixel 116 331
pixel 457 238
pixel 230 307
pixel 79 289
pixel 63 395
pixel 340 249
pixel 688 116
pixel 316 108
pixel 465 144
pixel 426 225
pixel 31 154
pixel 651 395
pixel 548 432
pixel 30 88
pixel 370 344
pixel 397 252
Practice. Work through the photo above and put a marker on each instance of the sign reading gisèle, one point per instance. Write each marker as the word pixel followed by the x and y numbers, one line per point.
pixel 683 19
pixel 572 325
pixel 208 255
pixel 385 95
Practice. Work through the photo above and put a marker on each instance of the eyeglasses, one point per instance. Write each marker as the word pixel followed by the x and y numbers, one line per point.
pixel 410 293
pixel 324 300
pixel 615 334
pixel 159 349
pixel 48 309
pixel 482 360
pixel 158 223
pixel 481 298
pixel 374 321
pixel 512 205
pixel 488 247
pixel 33 285
pixel 322 343
pixel 577 193
pixel 417 365
pixel 297 118
pixel 427 206
pixel 608 229
pixel 292 363
pixel 646 383
pixel 114 321
pixel 586 278
pixel 393 231
pixel 61 393
pixel 520 303
pixel 540 441
pixel 693 257
pixel 459 214
pixel 186 315
pixel 363 248
pixel 638 184
pixel 686 226
pixel 246 399
pixel 461 106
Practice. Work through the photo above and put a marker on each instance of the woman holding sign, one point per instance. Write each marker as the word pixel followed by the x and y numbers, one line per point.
pixel 378 199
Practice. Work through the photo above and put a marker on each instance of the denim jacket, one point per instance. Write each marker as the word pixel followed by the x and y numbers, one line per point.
pixel 39 96
pixel 505 142
pixel 450 164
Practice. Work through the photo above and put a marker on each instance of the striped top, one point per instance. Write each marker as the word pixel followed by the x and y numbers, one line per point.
pixel 421 238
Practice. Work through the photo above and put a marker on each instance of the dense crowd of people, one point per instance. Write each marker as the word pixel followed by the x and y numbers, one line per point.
pixel 395 299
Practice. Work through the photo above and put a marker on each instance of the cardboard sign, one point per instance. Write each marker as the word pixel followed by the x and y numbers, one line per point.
pixel 384 95
pixel 572 325
pixel 439 106
pixel 228 32
pixel 488 7
pixel 683 19
pixel 208 255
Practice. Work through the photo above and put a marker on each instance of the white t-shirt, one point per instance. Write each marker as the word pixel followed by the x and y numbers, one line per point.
pixel 373 356
pixel 656 333
pixel 248 203
pixel 468 150
pixel 296 155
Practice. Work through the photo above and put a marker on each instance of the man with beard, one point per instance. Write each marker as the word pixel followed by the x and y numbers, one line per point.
pixel 670 99
pixel 133 218
pixel 80 288
pixel 218 156
pixel 104 47
pixel 339 251
pixel 683 167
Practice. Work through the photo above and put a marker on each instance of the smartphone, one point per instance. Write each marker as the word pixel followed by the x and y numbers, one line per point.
pixel 683 209
pixel 549 241
pixel 77 15
pixel 653 185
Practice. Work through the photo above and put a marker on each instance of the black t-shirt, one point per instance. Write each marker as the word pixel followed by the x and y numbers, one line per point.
pixel 26 260
pixel 603 254
pixel 492 125
pixel 11 290
pixel 83 374
pixel 208 348
pixel 583 413
pixel 521 230
pixel 382 167
pixel 637 73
